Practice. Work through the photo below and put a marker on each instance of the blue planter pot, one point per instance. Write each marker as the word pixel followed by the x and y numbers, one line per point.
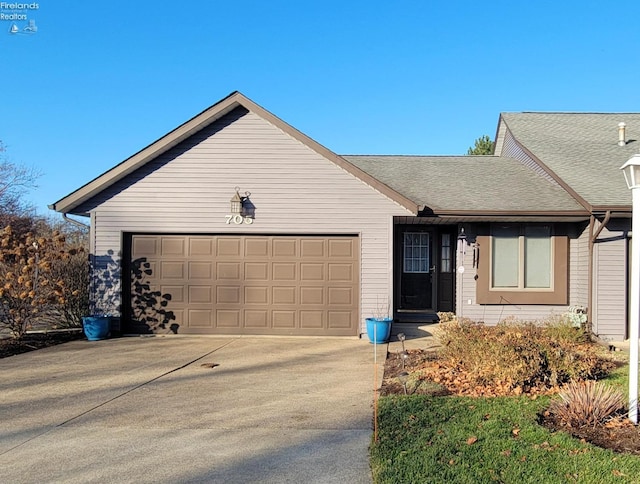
pixel 379 330
pixel 96 327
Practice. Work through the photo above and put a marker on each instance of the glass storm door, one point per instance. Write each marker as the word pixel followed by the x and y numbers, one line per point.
pixel 418 266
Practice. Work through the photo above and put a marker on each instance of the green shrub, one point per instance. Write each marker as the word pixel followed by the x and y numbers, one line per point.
pixel 586 403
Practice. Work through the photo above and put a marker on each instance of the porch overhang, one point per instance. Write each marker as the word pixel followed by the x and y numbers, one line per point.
pixel 440 217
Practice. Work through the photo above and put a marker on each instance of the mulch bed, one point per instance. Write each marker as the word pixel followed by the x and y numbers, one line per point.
pixel 36 341
pixel 619 434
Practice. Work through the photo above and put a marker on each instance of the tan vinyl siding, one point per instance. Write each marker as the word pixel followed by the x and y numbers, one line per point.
pixel 295 190
pixel 609 286
pixel 579 267
pixel 466 286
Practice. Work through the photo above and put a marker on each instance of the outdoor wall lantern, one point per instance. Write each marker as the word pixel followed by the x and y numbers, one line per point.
pixel 631 170
pixel 236 203
pixel 243 211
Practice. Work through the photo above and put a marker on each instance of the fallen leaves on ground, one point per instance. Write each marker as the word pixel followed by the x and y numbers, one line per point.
pixel 618 434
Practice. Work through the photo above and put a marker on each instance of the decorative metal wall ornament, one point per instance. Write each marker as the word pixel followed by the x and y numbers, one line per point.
pixel 462 244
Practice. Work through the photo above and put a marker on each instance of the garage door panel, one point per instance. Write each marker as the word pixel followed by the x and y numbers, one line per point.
pixel 228 295
pixel 284 271
pixel 229 271
pixel 179 317
pixel 339 319
pixel 285 247
pixel 228 247
pixel 172 246
pixel 144 246
pixel 341 248
pixel 284 295
pixel 311 271
pixel 341 272
pixel 312 248
pixel 256 271
pixel 340 296
pixel 256 295
pixel 256 318
pixel 148 268
pixel 312 295
pixel 199 247
pixel 200 318
pixel 278 284
pixel 200 270
pixel 283 319
pixel 228 318
pixel 200 294
pixel 311 319
pixel 171 270
pixel 256 247
pixel 176 293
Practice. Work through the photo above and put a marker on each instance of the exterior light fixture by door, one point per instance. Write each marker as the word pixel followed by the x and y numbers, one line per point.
pixel 631 170
pixel 236 203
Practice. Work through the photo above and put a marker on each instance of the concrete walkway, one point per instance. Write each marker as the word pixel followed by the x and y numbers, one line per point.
pixel 190 409
pixel 417 337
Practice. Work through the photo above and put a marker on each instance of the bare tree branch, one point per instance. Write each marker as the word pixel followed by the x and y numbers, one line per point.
pixel 15 181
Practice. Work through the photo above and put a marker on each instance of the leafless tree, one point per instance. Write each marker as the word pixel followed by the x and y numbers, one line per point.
pixel 15 181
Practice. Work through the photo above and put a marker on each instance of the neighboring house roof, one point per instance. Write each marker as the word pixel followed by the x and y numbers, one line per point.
pixel 69 203
pixel 468 184
pixel 578 149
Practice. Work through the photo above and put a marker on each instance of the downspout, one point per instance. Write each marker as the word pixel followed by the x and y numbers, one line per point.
pixel 592 241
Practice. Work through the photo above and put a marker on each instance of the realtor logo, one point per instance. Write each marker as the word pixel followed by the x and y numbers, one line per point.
pixel 19 16
pixel 31 28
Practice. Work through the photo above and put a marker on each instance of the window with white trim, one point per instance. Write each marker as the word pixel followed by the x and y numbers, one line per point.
pixel 521 257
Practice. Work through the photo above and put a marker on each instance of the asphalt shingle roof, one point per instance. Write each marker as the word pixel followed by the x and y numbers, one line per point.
pixel 582 149
pixel 467 183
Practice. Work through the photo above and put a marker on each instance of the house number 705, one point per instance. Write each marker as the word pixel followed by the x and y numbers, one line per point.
pixel 238 219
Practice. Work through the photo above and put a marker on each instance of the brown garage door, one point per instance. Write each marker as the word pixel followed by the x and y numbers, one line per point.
pixel 290 285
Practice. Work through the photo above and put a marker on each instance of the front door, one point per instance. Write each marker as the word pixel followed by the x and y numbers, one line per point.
pixel 425 268
pixel 417 269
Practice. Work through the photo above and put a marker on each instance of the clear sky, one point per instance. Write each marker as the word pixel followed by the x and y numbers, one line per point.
pixel 98 81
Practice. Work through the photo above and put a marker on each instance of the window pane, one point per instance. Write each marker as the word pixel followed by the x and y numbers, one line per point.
pixel 504 257
pixel 445 257
pixel 416 252
pixel 537 253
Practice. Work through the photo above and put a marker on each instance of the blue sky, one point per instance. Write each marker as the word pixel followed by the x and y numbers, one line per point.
pixel 100 80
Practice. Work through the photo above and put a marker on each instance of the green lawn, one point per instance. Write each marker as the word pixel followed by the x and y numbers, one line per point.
pixel 424 439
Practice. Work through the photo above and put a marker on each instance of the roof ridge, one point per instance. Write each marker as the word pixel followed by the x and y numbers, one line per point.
pixel 572 112
pixel 431 156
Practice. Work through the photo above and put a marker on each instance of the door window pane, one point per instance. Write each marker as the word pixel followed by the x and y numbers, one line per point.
pixel 416 252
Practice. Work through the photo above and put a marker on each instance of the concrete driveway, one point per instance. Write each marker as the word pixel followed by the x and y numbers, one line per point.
pixel 189 409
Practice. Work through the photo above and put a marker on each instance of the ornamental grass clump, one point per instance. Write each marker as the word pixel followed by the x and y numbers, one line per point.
pixel 586 403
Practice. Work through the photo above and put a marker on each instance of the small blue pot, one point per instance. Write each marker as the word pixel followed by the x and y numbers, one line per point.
pixel 379 330
pixel 96 327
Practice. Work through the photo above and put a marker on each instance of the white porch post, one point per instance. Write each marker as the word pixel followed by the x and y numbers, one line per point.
pixel 631 170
